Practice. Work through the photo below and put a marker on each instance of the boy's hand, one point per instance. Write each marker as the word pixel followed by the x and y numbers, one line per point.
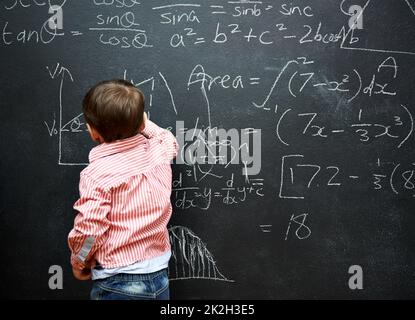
pixel 83 275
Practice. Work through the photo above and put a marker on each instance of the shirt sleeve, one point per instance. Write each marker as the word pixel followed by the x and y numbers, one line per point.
pixel 151 130
pixel 169 141
pixel 171 145
pixel 91 222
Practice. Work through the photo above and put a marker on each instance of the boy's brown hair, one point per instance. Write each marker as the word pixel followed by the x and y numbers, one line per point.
pixel 114 108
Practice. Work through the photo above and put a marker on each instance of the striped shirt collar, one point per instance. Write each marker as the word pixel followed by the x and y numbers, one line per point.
pixel 107 149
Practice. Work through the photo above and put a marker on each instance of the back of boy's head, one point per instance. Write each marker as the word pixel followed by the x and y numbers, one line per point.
pixel 114 108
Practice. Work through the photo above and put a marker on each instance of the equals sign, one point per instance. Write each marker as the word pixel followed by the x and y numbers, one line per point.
pixel 217 194
pixel 76 33
pixel 266 228
pixel 268 8
pixel 200 40
pixel 217 8
pixel 254 80
pixel 257 182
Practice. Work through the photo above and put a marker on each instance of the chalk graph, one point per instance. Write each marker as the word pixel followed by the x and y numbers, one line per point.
pixel 190 257
pixel 74 144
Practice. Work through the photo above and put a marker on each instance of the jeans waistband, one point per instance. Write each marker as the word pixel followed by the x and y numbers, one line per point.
pixel 135 277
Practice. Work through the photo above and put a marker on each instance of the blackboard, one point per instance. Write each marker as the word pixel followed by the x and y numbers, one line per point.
pixel 296 124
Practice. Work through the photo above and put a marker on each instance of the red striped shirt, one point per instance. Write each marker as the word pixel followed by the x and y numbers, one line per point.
pixel 124 203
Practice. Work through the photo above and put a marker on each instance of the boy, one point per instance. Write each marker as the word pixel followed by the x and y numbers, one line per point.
pixel 120 237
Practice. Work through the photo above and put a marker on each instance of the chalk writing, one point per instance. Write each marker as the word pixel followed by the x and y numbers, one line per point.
pixel 277 107
pixel 190 257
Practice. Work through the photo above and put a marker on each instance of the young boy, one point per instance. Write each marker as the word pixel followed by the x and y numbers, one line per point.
pixel 120 237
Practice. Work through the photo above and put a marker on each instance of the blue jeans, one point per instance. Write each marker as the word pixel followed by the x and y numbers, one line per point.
pixel 151 286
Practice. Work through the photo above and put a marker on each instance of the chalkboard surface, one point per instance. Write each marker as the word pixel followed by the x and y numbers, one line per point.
pixel 296 177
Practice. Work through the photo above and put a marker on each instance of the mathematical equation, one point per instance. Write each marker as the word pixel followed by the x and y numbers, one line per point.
pixel 123 24
pixel 280 88
pixel 362 131
pixel 398 128
pixel 297 227
pixel 204 196
pixel 300 177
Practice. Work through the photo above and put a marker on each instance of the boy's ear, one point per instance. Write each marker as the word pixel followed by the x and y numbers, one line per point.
pixel 94 134
pixel 143 124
